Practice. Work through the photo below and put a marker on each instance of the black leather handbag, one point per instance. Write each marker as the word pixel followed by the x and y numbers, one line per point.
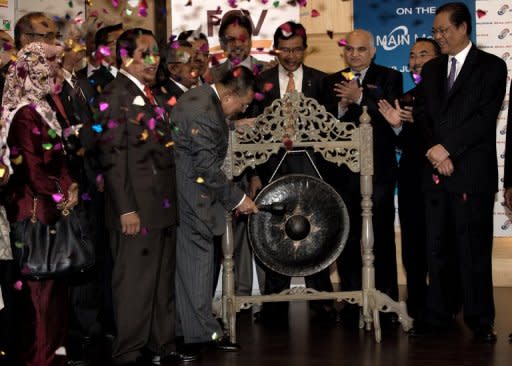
pixel 49 251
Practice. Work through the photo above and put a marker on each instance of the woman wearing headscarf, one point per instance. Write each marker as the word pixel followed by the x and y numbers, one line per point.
pixel 38 167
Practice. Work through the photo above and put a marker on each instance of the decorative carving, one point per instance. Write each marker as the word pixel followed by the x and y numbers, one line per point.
pixel 295 121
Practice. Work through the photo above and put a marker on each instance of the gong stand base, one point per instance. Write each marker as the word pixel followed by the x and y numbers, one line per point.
pixel 371 301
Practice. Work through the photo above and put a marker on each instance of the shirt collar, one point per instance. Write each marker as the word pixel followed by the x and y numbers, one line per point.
pixel 180 85
pixel 67 76
pixel 284 72
pixel 134 80
pixel 461 56
pixel 111 68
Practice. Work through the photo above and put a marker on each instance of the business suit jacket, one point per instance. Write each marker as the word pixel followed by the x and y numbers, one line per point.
pixel 463 120
pixel 137 157
pixel 508 150
pixel 201 142
pixel 311 88
pixel 101 78
pixel 165 91
pixel 379 83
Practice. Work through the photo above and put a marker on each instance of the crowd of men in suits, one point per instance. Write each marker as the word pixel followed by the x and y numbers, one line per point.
pixel 147 134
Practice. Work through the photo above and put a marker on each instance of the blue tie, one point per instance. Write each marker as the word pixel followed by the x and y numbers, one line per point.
pixel 451 76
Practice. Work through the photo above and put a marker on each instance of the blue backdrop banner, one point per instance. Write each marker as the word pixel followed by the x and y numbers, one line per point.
pixel 396 24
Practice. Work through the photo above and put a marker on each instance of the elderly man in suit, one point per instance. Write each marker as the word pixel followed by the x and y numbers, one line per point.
pixel 290 44
pixel 365 83
pixel 137 155
pixel 200 133
pixel 457 105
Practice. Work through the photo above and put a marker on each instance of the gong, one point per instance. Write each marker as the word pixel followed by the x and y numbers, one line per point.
pixel 302 226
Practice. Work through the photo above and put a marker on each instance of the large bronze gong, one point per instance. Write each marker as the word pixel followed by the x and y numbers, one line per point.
pixel 304 226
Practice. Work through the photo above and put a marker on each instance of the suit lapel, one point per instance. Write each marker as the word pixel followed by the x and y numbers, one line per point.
pixel 307 82
pixel 467 68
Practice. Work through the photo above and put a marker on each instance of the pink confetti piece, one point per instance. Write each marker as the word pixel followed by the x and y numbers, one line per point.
pixel 18 285
pixel 36 131
pixel 144 231
pixel 232 3
pixel 86 196
pixel 57 197
pixel 416 78
pixel 259 96
pixel 435 178
pixel 103 106
pixel 112 124
pixel 342 42
pixel 104 50
pixel 166 203
pixel 152 124
pixel 115 3
pixel 315 13
pixel 464 197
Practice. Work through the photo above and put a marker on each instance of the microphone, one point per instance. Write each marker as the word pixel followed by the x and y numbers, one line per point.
pixel 275 208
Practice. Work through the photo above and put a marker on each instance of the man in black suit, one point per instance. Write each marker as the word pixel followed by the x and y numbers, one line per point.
pixel 200 44
pixel 105 42
pixel 410 167
pixel 140 203
pixel 457 105
pixel 507 184
pixel 179 70
pixel 200 135
pixel 290 44
pixel 365 83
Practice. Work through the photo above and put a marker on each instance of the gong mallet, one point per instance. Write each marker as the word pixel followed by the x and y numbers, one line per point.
pixel 275 208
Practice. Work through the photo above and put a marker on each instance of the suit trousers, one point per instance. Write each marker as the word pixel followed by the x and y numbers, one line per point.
pixel 194 282
pixel 143 292
pixel 468 218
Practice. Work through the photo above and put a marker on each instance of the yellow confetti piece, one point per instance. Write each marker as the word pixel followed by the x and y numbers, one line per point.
pixel 169 144
pixel 18 160
pixel 199 180
pixel 349 75
pixel 195 131
pixel 2 172
pixel 144 135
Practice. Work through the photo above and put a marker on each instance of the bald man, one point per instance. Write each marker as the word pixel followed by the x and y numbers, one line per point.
pixel 347 91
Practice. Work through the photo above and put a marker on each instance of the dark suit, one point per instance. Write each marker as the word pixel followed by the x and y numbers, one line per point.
pixel 508 150
pixel 204 195
pixel 218 71
pixel 165 91
pixel 293 164
pixel 463 121
pixel 379 83
pixel 100 78
pixel 139 177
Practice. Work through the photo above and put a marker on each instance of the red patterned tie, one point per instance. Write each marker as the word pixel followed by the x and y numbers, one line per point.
pixel 149 95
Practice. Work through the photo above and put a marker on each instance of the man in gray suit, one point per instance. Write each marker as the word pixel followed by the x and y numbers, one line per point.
pixel 200 133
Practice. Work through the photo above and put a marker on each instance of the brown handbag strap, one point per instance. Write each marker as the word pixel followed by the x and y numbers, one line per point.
pixel 33 219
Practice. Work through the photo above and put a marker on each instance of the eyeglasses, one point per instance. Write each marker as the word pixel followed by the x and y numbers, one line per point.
pixel 48 36
pixel 291 51
pixel 441 31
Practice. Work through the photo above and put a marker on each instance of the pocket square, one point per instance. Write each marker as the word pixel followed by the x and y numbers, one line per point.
pixel 139 101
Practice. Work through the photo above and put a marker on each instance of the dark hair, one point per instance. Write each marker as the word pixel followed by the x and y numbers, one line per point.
pixel 24 25
pixel 238 80
pixel 459 13
pixel 437 49
pixel 101 37
pixel 185 35
pixel 169 54
pixel 239 17
pixel 291 29
pixel 127 41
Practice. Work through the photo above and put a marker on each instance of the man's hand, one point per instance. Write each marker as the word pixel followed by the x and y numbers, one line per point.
pixel 72 196
pixel 437 154
pixel 395 115
pixel 446 167
pixel 254 186
pixel 247 206
pixel 240 123
pixel 508 197
pixel 349 90
pixel 130 223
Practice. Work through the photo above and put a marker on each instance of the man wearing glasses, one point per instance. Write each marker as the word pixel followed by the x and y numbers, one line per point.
pixel 290 43
pixel 35 27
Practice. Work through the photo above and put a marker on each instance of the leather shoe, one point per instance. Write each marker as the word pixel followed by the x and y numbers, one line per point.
pixel 224 344
pixel 175 357
pixel 485 334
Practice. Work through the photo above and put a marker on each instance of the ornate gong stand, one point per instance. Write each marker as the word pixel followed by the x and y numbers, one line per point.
pixel 300 121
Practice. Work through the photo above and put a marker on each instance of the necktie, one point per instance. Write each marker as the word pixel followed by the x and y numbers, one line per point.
pixel 150 95
pixel 291 83
pixel 357 76
pixel 76 88
pixel 451 76
pixel 60 108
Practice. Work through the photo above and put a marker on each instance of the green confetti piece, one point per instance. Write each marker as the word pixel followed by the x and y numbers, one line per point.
pixel 18 244
pixel 52 133
pixel 276 4
pixel 47 146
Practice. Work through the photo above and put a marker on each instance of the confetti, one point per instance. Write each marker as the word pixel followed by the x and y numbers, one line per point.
pixel 18 244
pixel 144 231
pixel 169 144
pixel 435 178
pixel 189 3
pixel 172 101
pixel 166 203
pixel 2 172
pixel 286 29
pixel 259 96
pixel 348 75
pixel 195 131
pixel 152 124
pixel 47 146
pixel 104 50
pixel 288 143
pixel 18 285
pixel 144 135
pixel 57 146
pixel 342 42
pixel 464 197
pixel 416 78
pixel 86 196
pixel 97 128
pixel 232 3
pixel 115 3
pixel 267 87
pixel 52 133
pixel 275 4
pixel 481 13
pixel 330 34
pixel 99 179
pixel 302 2
pixel 57 197
pixel 18 160
pixel 36 131
pixel 199 180
pixel 315 13
pixel 103 106
pixel 112 124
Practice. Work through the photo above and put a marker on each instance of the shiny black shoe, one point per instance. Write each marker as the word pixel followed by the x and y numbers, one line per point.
pixel 485 334
pixel 225 345
pixel 175 357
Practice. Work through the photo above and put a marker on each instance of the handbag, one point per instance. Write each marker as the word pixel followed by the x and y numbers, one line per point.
pixel 49 251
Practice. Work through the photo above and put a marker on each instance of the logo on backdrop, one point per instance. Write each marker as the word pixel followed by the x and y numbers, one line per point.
pixel 503 10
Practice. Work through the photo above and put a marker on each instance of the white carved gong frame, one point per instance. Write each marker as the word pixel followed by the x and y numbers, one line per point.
pixel 301 122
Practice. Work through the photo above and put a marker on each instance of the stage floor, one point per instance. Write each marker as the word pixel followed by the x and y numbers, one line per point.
pixel 308 344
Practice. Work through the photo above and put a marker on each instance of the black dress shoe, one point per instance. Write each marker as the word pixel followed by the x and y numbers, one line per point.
pixel 224 344
pixel 485 334
pixel 175 357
